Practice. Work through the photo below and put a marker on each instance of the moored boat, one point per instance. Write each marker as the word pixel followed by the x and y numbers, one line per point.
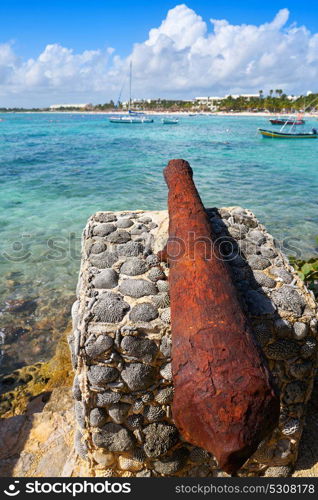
pixel 133 116
pixel 288 135
pixel 130 119
pixel 170 121
pixel 287 121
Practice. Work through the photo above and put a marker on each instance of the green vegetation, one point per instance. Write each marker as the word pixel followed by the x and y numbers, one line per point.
pixel 308 272
pixel 275 102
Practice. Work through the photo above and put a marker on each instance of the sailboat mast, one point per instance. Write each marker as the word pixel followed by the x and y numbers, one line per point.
pixel 130 76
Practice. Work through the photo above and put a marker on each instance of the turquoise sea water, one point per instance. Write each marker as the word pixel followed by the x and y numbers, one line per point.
pixel 56 170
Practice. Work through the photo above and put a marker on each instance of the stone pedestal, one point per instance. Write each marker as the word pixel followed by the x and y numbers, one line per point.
pixel 121 344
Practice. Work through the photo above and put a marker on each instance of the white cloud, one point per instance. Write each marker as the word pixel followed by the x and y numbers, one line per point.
pixel 184 56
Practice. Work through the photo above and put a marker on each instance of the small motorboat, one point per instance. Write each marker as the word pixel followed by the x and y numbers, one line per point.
pixel 170 121
pixel 287 120
pixel 130 119
pixel 281 121
pixel 288 135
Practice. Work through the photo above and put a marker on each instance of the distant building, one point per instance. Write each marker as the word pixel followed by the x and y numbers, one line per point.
pixel 292 97
pixel 245 96
pixel 74 106
pixel 208 102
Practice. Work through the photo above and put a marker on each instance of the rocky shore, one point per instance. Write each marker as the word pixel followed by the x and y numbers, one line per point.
pixel 121 353
pixel 121 344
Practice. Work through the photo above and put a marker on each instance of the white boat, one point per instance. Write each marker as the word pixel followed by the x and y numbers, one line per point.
pixel 133 116
pixel 130 119
pixel 170 121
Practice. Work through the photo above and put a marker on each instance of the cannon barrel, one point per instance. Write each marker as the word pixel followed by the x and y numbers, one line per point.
pixel 225 400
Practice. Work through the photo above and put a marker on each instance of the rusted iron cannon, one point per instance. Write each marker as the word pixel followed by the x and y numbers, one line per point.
pixel 225 401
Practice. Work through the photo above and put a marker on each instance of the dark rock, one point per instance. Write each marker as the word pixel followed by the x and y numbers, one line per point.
pixel 21 306
pixel 80 444
pixel 130 249
pixel 281 273
pixel 79 413
pixel 118 236
pixel 138 376
pixel 153 413
pixel 295 392
pixel 144 473
pixel 100 376
pixel 257 236
pixel 76 391
pixel 143 312
pixel 95 346
pixel 200 471
pixel 301 370
pixel 289 299
pixel 98 417
pixel 248 247
pixel 259 304
pixel 137 288
pixel 108 278
pixel 110 308
pixel 103 259
pixel 291 426
pixel 135 421
pixel 114 437
pixel 300 330
pixel 282 327
pixel 166 315
pixel 262 333
pixel 238 231
pixel 161 300
pixel 156 274
pixel 283 471
pixel 118 412
pixel 106 398
pixel 124 222
pixel 145 219
pixel 268 251
pixel 105 217
pixel 159 438
pixel 139 455
pixel 140 348
pixel 164 396
pixel 263 280
pixel 166 371
pixel 134 266
pixel 309 348
pixel 103 229
pixel 147 396
pixel 282 349
pixel 257 262
pixel 71 343
pixel 152 260
pixel 172 463
pixel 163 285
pixel 165 346
pixel 199 455
pixel 139 229
pixel 98 247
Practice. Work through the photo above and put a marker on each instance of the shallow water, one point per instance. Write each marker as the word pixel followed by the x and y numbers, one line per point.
pixel 56 170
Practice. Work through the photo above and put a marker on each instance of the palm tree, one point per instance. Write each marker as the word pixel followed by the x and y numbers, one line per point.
pixel 261 93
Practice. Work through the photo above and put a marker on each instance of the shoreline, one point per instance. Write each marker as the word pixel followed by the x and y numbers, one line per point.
pixel 165 113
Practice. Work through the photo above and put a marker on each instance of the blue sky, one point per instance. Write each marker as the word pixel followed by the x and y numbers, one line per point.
pixel 91 24
pixel 79 51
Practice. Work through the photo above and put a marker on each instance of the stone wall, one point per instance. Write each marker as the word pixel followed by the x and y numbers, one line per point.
pixel 121 345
